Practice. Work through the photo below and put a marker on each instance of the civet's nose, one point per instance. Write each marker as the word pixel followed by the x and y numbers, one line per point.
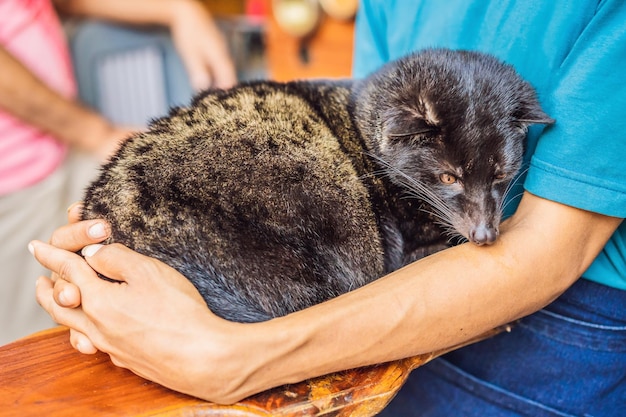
pixel 483 235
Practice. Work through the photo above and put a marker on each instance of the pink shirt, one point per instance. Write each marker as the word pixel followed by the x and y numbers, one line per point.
pixel 31 31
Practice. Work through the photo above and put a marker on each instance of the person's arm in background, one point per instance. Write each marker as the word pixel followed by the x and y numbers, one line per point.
pixel 26 97
pixel 199 42
pixel 197 38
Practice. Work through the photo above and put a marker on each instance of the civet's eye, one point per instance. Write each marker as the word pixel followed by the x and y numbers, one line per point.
pixel 500 175
pixel 447 178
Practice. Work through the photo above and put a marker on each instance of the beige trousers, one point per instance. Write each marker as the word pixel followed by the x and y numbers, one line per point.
pixel 33 213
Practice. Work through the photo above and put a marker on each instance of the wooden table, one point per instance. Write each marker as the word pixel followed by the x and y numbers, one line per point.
pixel 42 375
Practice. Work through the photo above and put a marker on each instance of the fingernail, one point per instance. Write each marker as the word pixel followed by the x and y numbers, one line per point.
pixel 73 205
pixel 31 248
pixel 90 250
pixel 63 298
pixel 97 231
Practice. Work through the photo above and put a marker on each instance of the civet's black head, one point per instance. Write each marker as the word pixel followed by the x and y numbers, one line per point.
pixel 451 126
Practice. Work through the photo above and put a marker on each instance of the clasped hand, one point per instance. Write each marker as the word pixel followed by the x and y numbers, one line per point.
pixel 152 321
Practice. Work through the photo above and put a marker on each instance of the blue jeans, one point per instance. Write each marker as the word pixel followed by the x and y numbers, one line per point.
pixel 568 359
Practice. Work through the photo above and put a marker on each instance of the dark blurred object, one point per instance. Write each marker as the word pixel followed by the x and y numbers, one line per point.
pixel 323 50
pixel 129 75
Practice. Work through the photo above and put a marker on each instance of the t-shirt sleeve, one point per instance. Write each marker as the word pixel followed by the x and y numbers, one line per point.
pixel 370 48
pixel 581 160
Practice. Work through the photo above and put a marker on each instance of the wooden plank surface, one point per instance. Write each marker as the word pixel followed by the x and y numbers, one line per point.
pixel 42 375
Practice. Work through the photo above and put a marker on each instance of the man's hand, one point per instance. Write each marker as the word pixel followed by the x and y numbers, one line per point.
pixel 152 321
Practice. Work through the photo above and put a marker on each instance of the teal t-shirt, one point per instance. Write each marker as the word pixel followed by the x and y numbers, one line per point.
pixel 573 52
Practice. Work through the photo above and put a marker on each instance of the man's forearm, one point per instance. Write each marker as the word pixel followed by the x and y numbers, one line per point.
pixel 433 304
pixel 438 302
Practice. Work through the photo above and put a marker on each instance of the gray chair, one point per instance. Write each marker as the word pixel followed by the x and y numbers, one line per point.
pixel 130 75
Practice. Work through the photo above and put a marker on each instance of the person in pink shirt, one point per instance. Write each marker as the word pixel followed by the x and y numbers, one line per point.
pixel 40 120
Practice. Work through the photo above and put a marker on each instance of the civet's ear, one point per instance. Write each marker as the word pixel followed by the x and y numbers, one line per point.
pixel 417 124
pixel 536 120
pixel 532 114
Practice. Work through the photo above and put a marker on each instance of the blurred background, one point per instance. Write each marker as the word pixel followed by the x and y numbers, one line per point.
pixel 132 75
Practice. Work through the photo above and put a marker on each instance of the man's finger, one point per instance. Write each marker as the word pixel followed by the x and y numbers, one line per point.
pixel 75 236
pixel 119 263
pixel 81 343
pixel 71 317
pixel 66 294
pixel 66 265
pixel 74 212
